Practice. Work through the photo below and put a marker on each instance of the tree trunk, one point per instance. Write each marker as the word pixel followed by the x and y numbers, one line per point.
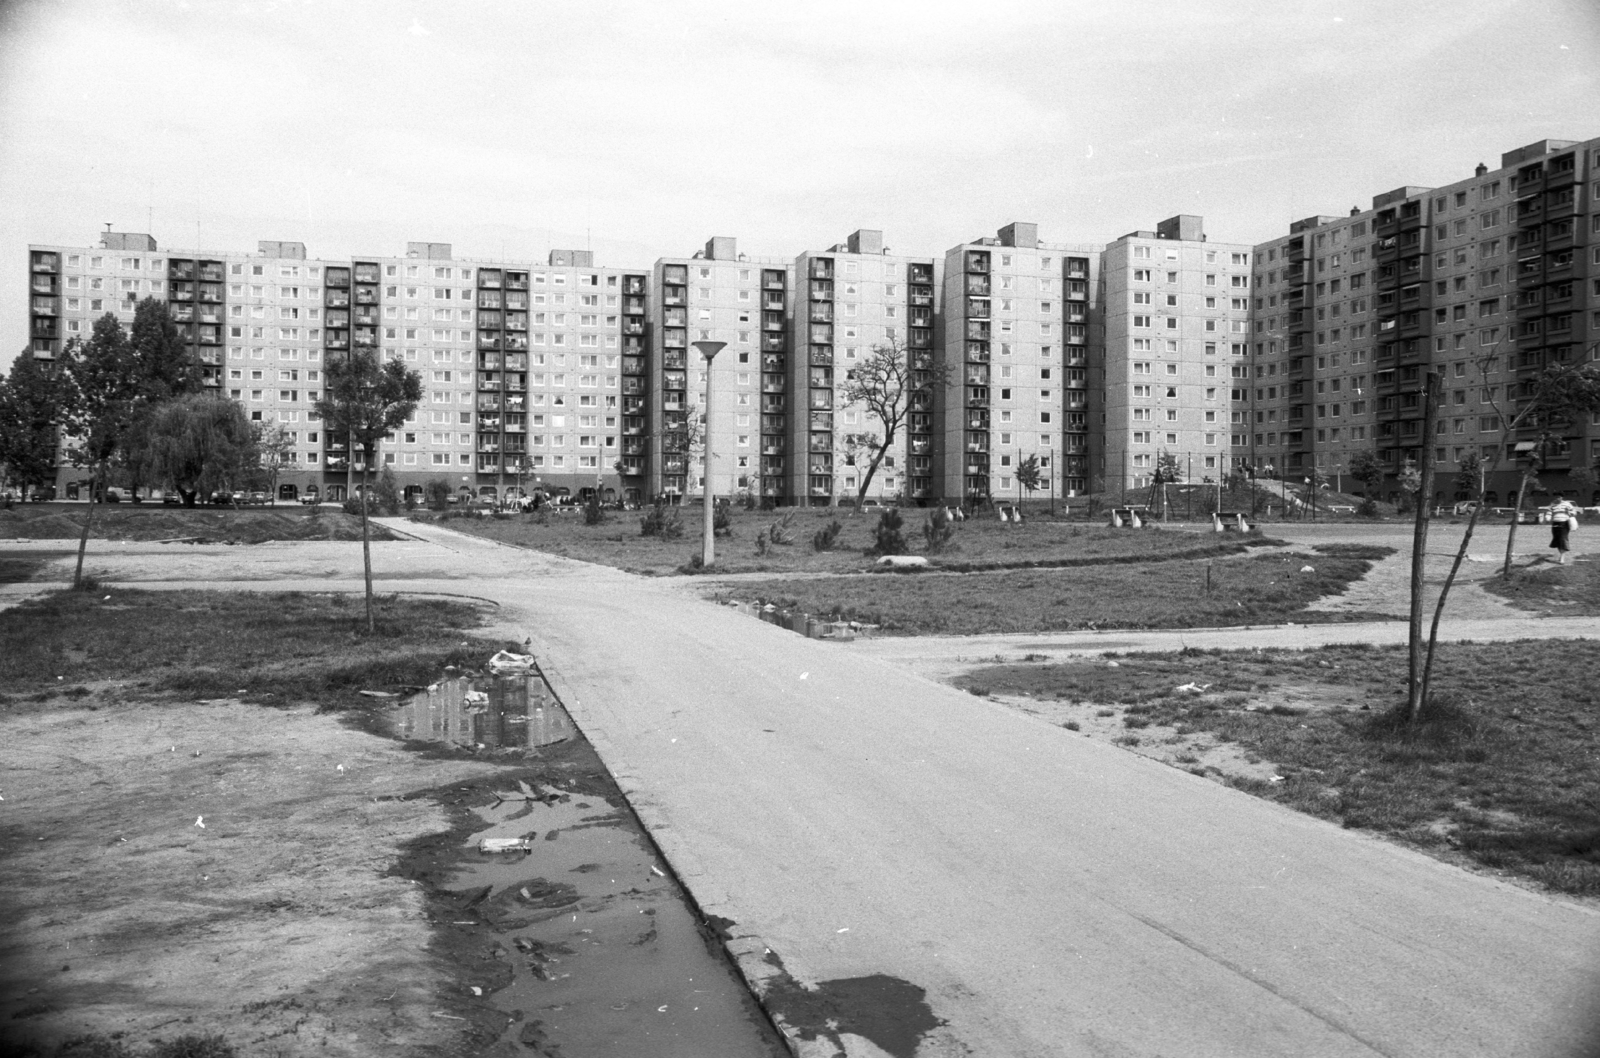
pixel 1419 551
pixel 1444 593
pixel 1516 516
pixel 83 538
pixel 366 550
pixel 866 480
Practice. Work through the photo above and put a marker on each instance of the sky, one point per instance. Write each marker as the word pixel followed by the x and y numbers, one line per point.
pixel 641 129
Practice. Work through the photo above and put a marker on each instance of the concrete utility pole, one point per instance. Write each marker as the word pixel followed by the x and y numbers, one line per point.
pixel 707 550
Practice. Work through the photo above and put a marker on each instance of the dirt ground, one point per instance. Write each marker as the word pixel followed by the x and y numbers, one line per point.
pixel 200 867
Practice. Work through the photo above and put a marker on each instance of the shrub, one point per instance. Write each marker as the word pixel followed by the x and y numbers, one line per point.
pixel 827 536
pixel 761 543
pixel 385 498
pixel 887 538
pixel 782 530
pixel 661 520
pixel 1368 508
pixel 722 518
pixel 939 530
pixel 437 494
pixel 593 512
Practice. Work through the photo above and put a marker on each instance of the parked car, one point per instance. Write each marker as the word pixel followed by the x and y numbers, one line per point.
pixel 256 498
pixel 310 496
pixel 1465 507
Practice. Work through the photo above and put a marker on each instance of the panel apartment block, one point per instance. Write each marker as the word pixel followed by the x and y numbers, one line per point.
pixel 1486 281
pixel 521 364
pixel 852 299
pixel 720 295
pixel 1177 317
pixel 1020 323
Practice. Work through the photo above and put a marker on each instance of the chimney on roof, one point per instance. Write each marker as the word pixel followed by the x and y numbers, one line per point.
pixel 1480 170
pixel 1355 211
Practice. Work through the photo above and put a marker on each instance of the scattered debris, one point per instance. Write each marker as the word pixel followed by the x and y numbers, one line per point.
pixel 903 561
pixel 1192 688
pixel 1308 569
pixel 505 661
pixel 378 694
pixel 200 821
pixel 505 844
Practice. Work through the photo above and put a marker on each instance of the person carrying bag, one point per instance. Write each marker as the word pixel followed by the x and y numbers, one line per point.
pixel 1563 519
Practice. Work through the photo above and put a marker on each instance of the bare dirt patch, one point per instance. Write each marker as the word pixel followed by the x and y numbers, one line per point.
pixel 216 867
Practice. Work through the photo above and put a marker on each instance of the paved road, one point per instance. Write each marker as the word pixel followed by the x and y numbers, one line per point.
pixel 1052 895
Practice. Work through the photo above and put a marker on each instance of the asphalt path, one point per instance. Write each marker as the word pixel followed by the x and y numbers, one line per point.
pixel 1051 894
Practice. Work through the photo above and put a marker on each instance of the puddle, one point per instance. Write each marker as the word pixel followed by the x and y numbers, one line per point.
pixel 597 951
pixel 495 712
pixel 590 945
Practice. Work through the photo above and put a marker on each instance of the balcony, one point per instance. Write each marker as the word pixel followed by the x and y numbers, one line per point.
pixel 516 281
pixel 45 284
pixel 336 340
pixel 977 286
pixel 366 295
pixel 488 279
pixel 773 343
pixel 489 299
pixel 44 261
pixel 44 306
pixel 336 299
pixel 977 308
pixel 822 312
pixel 180 270
pixel 633 285
pixel 977 261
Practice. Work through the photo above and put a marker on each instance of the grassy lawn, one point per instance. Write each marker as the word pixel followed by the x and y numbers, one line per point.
pixel 278 649
pixel 1260 589
pixel 977 543
pixel 1506 777
pixel 126 521
pixel 1571 589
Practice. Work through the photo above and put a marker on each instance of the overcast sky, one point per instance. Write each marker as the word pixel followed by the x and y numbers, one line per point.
pixel 641 129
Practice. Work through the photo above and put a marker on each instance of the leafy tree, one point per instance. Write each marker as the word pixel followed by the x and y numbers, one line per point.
pixel 1469 477
pixel 890 384
pixel 1584 480
pixel 35 398
pixel 1028 475
pixel 366 401
pixel 275 450
pixel 1368 469
pixel 196 443
pixel 105 378
pixel 166 368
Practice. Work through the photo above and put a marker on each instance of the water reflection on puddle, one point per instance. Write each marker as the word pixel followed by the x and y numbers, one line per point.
pixel 496 712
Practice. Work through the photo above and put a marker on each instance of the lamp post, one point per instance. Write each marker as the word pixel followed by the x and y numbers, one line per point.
pixel 709 350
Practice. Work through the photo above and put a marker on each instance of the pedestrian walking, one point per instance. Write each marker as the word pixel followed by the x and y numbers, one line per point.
pixel 1563 519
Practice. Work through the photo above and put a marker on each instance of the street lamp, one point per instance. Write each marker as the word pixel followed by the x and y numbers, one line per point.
pixel 709 350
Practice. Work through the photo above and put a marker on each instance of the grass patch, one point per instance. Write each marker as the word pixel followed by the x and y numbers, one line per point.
pixel 280 648
pixel 980 543
pixel 1500 770
pixel 1571 589
pixel 1262 589
pixel 250 525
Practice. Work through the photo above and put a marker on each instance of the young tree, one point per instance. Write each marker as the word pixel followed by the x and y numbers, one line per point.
pixel 275 450
pixel 1551 405
pixel 35 398
pixel 1469 476
pixel 1028 476
pixel 1558 398
pixel 890 384
pixel 105 378
pixel 1368 469
pixel 196 443
pixel 366 401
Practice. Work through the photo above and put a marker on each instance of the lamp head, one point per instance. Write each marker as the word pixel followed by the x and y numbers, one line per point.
pixel 709 349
